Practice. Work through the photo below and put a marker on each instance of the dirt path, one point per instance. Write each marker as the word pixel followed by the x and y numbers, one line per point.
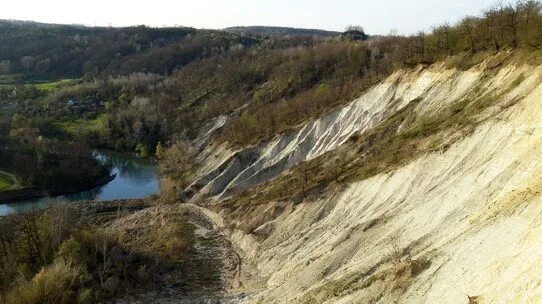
pixel 214 253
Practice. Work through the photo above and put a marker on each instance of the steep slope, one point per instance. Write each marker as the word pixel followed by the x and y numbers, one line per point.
pixel 240 170
pixel 462 219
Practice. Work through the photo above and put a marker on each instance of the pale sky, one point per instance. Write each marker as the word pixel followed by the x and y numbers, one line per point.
pixel 377 16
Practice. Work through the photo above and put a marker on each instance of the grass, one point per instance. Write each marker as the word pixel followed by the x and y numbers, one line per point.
pixel 467 60
pixel 53 85
pixel 57 283
pixel 9 79
pixel 530 57
pixel 83 125
pixel 12 79
pixel 183 257
pixel 5 181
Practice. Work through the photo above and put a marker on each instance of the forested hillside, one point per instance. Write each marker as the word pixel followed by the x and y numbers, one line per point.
pixel 298 165
pixel 33 51
pixel 280 31
pixel 140 85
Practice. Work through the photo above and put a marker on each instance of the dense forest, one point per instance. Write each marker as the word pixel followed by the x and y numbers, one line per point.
pixel 280 31
pixel 34 51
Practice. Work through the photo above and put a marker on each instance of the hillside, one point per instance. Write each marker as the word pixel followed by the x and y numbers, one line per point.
pixel 293 169
pixel 280 31
pixel 33 51
pixel 463 209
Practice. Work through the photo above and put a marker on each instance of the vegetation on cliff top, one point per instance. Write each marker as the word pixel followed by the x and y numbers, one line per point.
pixel 169 82
pixel 6 182
pixel 72 254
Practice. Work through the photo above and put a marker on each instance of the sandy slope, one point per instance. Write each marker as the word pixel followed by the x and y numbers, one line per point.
pixel 225 172
pixel 462 222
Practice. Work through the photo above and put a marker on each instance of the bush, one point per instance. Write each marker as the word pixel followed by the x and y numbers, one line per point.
pixel 142 151
pixel 55 284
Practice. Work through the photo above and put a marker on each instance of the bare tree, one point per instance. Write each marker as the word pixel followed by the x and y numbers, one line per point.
pixel 28 225
pixel 357 28
pixel 468 26
pixel 442 34
pixel 104 251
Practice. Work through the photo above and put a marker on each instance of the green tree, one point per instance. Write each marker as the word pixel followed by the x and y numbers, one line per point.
pixel 160 150
pixel 142 150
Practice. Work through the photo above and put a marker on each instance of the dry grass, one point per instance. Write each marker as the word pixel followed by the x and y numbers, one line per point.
pixel 169 234
pixel 55 284
pixel 473 299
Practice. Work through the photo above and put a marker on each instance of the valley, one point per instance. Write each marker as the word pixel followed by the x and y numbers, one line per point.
pixel 265 164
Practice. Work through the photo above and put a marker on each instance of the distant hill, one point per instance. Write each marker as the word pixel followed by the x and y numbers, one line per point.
pixel 32 50
pixel 35 24
pixel 280 31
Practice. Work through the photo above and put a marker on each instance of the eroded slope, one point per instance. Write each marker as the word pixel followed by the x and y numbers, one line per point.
pixel 462 219
pixel 226 172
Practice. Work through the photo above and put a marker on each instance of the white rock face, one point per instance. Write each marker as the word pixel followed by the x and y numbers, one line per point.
pixel 473 213
pixel 238 170
pixel 470 215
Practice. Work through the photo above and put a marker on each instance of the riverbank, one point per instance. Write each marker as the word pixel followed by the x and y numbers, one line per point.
pixel 135 179
pixel 17 195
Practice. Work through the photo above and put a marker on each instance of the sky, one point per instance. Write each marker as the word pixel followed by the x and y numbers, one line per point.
pixel 376 16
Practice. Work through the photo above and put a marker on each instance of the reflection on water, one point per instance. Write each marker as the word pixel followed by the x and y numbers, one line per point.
pixel 135 178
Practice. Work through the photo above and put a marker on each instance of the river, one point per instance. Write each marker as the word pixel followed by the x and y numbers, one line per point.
pixel 135 178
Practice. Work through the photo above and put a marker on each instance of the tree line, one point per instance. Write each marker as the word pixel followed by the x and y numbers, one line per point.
pixel 267 85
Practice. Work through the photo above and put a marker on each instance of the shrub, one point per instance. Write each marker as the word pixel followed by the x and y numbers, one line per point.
pixel 142 150
pixel 55 284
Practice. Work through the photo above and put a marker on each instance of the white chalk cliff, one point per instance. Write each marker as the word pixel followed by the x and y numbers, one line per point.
pixel 454 223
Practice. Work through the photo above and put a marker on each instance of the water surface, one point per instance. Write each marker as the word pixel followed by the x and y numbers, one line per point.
pixel 135 178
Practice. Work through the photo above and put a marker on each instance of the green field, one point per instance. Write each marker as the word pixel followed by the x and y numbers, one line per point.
pixel 42 85
pixel 48 86
pixel 83 125
pixel 5 182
